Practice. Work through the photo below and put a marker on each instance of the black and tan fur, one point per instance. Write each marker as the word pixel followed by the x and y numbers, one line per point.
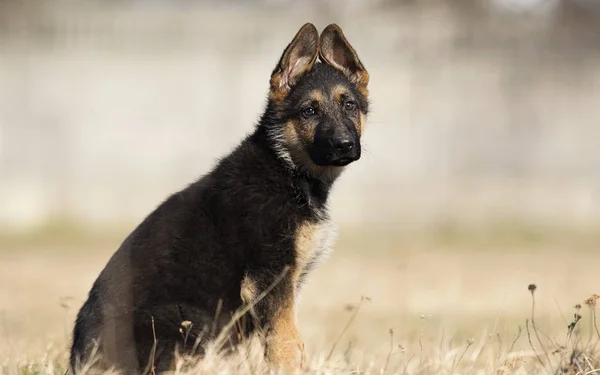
pixel 258 216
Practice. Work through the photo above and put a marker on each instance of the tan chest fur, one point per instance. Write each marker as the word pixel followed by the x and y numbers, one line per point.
pixel 313 245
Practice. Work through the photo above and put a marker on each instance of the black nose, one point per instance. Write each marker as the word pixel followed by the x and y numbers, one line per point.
pixel 343 145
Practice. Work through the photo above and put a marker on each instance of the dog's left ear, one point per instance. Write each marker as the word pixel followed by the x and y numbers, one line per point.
pixel 337 52
pixel 298 58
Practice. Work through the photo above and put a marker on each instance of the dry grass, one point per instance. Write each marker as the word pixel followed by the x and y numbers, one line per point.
pixel 427 308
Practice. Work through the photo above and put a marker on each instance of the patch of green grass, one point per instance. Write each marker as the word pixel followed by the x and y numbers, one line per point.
pixel 453 236
pixel 504 235
pixel 64 232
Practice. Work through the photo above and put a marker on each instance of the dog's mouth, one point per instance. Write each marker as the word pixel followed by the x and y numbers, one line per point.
pixel 333 158
pixel 340 161
pixel 343 161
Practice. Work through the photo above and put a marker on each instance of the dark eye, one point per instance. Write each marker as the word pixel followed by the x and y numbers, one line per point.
pixel 310 111
pixel 349 105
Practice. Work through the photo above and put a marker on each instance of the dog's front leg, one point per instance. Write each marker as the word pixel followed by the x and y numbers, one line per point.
pixel 274 315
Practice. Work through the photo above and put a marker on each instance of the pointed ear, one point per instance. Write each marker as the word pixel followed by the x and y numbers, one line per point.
pixel 337 52
pixel 298 58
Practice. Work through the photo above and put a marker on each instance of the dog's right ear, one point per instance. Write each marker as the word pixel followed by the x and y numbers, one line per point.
pixel 298 58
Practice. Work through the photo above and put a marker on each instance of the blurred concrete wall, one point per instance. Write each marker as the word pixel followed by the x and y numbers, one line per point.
pixel 477 113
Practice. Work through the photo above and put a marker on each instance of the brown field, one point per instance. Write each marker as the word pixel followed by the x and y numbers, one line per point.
pixel 431 304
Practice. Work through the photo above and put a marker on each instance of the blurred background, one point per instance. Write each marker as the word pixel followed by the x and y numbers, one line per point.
pixel 482 110
pixel 483 136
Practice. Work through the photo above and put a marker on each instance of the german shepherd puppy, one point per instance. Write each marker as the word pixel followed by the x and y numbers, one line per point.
pixel 245 234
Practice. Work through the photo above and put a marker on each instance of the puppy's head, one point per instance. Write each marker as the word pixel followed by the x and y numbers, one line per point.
pixel 320 108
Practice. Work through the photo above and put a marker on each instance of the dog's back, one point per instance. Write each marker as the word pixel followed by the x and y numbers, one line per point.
pixel 180 262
